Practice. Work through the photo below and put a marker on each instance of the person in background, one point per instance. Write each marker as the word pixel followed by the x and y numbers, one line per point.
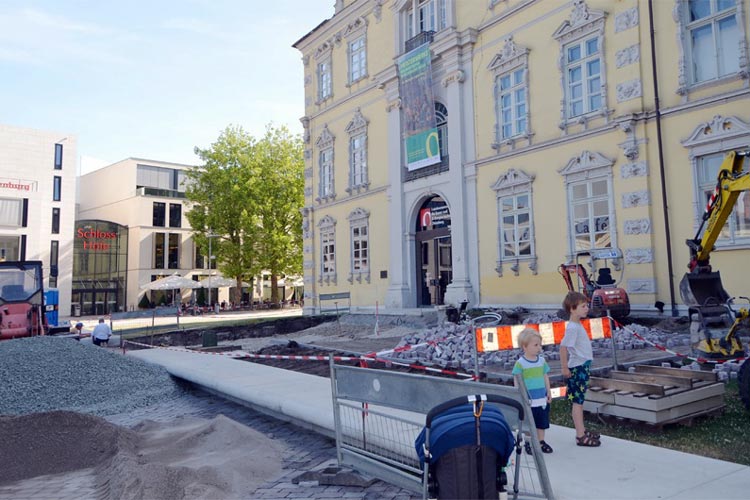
pixel 576 356
pixel 533 368
pixel 78 331
pixel 101 333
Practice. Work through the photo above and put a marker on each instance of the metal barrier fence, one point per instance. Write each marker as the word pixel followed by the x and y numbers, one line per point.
pixel 378 415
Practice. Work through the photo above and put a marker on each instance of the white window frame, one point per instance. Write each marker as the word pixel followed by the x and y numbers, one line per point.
pixel 325 80
pixel 590 55
pixel 510 186
pixel 584 25
pixel 687 78
pixel 326 171
pixel 358 173
pixel 716 137
pixel 359 222
pixel 512 60
pixel 585 170
pixel 357 59
pixel 327 230
pixel 432 15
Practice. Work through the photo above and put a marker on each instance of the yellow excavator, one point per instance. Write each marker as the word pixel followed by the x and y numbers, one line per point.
pixel 714 321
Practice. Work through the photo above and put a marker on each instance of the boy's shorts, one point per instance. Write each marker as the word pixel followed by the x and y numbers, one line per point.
pixel 541 416
pixel 578 383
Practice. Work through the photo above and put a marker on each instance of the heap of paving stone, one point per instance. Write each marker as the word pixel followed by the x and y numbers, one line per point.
pixel 452 346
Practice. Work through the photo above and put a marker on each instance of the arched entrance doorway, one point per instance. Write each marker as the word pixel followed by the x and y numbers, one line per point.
pixel 434 254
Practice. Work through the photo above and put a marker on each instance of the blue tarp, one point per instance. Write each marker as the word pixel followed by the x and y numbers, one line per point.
pixel 456 427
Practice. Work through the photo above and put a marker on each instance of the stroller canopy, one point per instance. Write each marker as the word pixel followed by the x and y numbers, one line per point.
pixel 457 427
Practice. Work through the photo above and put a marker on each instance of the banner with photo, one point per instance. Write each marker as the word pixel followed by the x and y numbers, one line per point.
pixel 418 108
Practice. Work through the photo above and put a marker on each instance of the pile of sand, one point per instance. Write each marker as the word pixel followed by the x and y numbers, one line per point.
pixel 187 458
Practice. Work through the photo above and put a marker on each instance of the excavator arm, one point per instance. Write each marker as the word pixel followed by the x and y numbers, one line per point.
pixel 731 181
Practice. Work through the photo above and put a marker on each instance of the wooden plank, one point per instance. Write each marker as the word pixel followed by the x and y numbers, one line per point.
pixel 666 380
pixel 677 372
pixel 670 401
pixel 600 397
pixel 622 385
pixel 658 417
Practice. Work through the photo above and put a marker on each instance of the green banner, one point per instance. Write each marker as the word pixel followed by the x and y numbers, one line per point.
pixel 421 140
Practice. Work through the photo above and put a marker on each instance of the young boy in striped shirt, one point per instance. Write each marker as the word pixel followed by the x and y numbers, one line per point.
pixel 534 370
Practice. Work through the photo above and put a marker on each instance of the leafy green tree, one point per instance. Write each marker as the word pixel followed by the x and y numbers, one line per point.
pixel 249 194
pixel 224 204
pixel 279 161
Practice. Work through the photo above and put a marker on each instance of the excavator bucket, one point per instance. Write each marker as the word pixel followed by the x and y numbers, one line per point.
pixel 703 290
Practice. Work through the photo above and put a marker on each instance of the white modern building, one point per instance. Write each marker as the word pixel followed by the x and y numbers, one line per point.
pixel 131 230
pixel 37 202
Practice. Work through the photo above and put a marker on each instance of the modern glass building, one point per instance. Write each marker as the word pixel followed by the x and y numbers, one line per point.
pixel 100 265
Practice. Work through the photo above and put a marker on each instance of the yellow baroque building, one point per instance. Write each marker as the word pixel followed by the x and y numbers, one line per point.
pixel 561 126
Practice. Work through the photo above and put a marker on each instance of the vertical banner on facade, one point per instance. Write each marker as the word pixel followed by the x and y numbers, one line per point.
pixel 420 132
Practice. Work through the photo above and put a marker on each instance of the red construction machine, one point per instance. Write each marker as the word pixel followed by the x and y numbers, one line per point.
pixel 21 300
pixel 604 294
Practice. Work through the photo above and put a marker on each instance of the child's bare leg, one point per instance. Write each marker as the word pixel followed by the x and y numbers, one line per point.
pixel 577 414
pixel 540 434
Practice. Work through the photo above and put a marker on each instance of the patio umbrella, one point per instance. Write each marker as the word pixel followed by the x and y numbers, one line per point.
pixel 219 281
pixel 171 283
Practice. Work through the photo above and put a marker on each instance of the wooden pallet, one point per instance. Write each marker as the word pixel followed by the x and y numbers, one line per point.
pixel 655 395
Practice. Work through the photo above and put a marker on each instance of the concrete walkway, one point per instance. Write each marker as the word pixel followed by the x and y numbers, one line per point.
pixel 618 469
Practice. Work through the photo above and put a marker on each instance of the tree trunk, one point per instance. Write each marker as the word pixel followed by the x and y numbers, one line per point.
pixel 274 289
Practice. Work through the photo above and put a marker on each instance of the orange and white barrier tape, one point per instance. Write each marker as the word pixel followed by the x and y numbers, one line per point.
pixel 362 359
pixel 499 338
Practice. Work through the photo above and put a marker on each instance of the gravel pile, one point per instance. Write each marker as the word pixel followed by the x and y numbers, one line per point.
pixel 41 374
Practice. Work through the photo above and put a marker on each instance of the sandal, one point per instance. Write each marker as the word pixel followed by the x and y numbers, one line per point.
pixel 545 447
pixel 592 434
pixel 527 447
pixel 587 441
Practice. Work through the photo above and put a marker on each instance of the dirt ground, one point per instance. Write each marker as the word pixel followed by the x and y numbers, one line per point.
pixel 187 458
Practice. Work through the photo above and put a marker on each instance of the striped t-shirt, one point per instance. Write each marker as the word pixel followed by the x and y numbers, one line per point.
pixel 533 372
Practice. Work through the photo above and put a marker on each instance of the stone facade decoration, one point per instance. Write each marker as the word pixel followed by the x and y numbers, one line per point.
pixel 634 169
pixel 627 56
pixel 636 286
pixel 629 90
pixel 638 226
pixel 639 256
pixel 636 199
pixel 626 20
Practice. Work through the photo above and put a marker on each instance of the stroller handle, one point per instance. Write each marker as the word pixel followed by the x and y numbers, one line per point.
pixel 491 398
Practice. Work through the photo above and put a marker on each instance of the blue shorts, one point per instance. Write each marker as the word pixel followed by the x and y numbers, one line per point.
pixel 541 416
pixel 578 383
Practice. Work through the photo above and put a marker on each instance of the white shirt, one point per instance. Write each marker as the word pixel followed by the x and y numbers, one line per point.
pixel 101 331
pixel 578 343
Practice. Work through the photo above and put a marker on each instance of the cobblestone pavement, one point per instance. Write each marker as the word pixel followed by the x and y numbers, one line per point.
pixel 307 451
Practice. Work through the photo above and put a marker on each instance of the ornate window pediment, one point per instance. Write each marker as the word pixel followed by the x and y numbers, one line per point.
pixel 718 129
pixel 327 222
pixel 588 164
pixel 511 181
pixel 358 123
pixel 326 138
pixel 582 20
pixel 358 214
pixel 509 57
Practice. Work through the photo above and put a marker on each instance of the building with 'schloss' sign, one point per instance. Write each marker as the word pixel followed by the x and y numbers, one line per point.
pixel 464 150
pixel 37 202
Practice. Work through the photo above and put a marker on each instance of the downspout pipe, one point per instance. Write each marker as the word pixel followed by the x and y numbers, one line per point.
pixel 662 174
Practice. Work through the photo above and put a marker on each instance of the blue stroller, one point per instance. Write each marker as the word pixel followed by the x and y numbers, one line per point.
pixel 465 447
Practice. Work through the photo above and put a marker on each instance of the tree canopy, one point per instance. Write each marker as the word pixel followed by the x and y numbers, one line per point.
pixel 248 195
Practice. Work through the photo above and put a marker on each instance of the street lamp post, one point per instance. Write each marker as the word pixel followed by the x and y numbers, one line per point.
pixel 210 236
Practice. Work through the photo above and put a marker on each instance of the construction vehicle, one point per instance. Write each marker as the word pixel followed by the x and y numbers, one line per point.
pixel 714 321
pixel 605 295
pixel 21 300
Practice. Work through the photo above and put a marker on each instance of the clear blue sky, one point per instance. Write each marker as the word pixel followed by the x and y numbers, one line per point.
pixel 152 79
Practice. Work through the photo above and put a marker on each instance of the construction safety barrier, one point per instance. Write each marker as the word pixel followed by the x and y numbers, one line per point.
pixel 499 338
